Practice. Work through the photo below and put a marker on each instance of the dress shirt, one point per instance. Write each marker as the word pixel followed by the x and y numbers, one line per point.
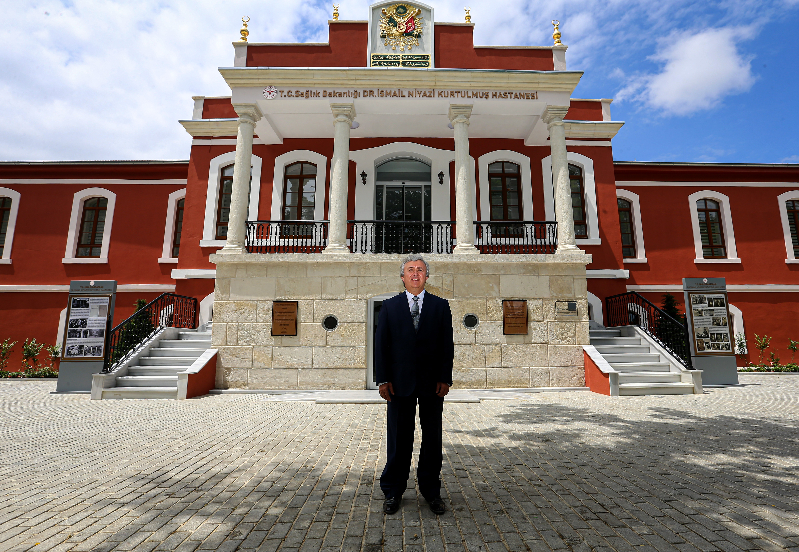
pixel 410 297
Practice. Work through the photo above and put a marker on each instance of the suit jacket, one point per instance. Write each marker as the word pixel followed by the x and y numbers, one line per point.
pixel 406 357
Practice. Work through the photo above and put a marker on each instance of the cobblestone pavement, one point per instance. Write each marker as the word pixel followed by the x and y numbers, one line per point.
pixel 554 471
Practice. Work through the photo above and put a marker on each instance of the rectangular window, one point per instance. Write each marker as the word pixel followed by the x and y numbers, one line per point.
pixel 299 198
pixel 578 201
pixel 792 206
pixel 223 204
pixel 92 224
pixel 178 228
pixel 5 214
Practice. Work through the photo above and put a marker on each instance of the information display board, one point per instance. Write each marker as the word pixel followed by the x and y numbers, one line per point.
pixel 710 321
pixel 87 322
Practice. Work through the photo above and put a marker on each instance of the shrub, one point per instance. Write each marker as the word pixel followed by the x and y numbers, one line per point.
pixel 762 343
pixel 5 352
pixel 30 354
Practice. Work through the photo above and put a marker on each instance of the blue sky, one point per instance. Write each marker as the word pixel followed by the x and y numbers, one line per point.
pixel 709 81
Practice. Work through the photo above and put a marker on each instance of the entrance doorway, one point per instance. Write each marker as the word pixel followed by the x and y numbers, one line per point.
pixel 402 207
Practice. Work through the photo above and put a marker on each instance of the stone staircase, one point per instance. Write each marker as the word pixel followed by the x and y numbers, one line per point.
pixel 153 374
pixel 643 370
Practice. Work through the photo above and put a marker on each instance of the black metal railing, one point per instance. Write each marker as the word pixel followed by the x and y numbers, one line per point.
pixel 286 236
pixel 165 311
pixel 382 236
pixel 516 237
pixel 631 309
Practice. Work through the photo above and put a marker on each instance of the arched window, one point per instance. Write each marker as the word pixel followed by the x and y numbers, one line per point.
pixel 792 209
pixel 577 184
pixel 5 216
pixel 505 193
pixel 710 229
pixel 299 191
pixel 626 227
pixel 92 226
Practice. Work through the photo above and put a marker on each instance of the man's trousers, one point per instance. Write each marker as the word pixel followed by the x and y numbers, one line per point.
pixel 401 422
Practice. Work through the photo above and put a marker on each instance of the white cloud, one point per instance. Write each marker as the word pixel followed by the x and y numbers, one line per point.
pixel 699 71
pixel 791 159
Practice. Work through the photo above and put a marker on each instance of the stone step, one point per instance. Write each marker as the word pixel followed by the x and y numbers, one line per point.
pixel 640 366
pixel 140 393
pixel 620 349
pixel 184 343
pixel 604 333
pixel 632 357
pixel 615 341
pixel 195 335
pixel 649 377
pixel 155 370
pixel 167 361
pixel 177 352
pixel 656 389
pixel 148 381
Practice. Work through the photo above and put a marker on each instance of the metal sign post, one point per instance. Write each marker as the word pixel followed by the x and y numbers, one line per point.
pixel 90 313
pixel 710 330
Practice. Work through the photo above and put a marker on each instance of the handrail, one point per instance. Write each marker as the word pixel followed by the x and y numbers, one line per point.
pixel 168 310
pixel 400 236
pixel 522 237
pixel 632 309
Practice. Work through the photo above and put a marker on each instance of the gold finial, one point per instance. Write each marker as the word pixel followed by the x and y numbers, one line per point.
pixel 556 34
pixel 468 15
pixel 244 32
pixel 335 12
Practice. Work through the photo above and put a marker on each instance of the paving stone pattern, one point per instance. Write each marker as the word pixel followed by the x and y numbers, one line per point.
pixel 553 471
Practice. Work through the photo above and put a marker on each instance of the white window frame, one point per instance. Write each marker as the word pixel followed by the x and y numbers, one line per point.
pixel 589 187
pixel 12 223
pixel 790 258
pixel 526 184
pixel 212 195
pixel 638 226
pixel 737 324
pixel 169 228
pixel 278 179
pixel 74 226
pixel 726 222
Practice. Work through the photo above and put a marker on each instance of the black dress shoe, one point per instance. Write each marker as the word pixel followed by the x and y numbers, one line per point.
pixel 437 506
pixel 391 505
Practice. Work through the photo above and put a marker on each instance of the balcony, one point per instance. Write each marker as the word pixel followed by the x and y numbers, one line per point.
pixel 401 237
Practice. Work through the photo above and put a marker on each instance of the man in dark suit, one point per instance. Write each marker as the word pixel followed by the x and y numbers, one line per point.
pixel 413 363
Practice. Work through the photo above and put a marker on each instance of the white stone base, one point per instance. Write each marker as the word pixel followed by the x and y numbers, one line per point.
pixel 251 358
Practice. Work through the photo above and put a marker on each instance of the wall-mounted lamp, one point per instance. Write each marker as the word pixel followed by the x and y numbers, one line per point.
pixel 363 177
pixel 441 178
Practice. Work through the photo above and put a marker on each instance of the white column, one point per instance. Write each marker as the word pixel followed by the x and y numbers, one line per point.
pixel 343 115
pixel 464 187
pixel 249 114
pixel 553 117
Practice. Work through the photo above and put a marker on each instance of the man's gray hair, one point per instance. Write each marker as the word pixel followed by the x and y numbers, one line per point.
pixel 415 257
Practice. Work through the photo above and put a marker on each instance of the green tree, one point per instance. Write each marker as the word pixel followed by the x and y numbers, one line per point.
pixel 137 329
pixel 671 307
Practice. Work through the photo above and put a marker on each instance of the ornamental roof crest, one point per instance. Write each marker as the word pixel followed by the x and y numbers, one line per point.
pixel 401 26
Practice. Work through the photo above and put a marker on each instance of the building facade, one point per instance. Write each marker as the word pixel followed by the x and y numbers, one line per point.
pixel 329 162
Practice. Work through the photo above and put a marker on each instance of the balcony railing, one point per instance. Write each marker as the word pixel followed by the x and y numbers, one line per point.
pixel 380 236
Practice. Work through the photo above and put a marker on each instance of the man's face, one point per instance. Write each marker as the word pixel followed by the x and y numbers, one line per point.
pixel 414 276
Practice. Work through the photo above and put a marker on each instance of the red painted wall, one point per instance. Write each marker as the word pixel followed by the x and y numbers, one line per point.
pixel 347 47
pixel 218 108
pixel 582 110
pixel 454 48
pixel 595 379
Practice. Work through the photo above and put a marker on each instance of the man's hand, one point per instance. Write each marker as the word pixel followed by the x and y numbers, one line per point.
pixel 386 390
pixel 441 389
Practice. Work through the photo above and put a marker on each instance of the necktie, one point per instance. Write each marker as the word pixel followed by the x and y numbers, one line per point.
pixel 415 313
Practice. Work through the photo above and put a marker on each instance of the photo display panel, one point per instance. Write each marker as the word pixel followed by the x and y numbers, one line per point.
pixel 87 322
pixel 711 324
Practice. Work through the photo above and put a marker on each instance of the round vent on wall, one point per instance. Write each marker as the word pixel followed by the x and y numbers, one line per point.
pixel 330 323
pixel 471 321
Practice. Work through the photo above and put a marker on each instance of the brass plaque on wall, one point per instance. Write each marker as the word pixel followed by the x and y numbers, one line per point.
pixel 514 316
pixel 284 317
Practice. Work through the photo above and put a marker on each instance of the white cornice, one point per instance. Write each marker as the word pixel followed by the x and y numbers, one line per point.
pixel 371 77
pixel 607 273
pixel 592 129
pixel 91 181
pixel 164 288
pixel 758 288
pixel 705 184
pixel 193 273
pixel 211 127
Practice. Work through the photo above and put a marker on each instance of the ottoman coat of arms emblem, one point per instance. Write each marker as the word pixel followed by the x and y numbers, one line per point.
pixel 401 26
